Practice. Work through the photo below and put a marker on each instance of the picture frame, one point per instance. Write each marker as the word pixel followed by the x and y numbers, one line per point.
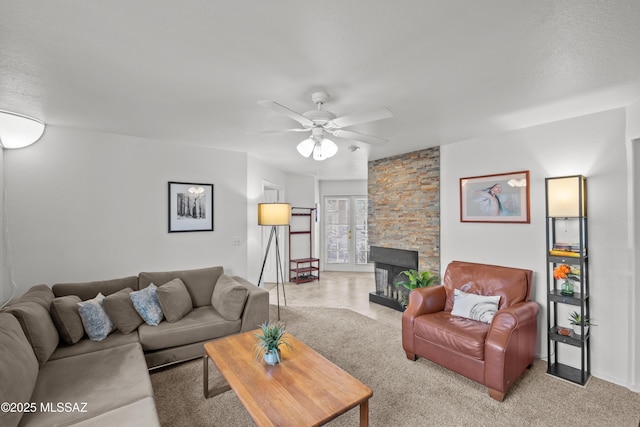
pixel 190 207
pixel 502 197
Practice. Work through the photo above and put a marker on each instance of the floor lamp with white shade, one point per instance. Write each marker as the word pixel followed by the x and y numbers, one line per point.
pixel 274 215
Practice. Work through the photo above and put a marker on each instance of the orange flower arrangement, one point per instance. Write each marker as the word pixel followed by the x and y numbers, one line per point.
pixel 563 271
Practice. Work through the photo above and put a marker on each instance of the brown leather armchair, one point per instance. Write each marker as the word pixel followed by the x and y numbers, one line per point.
pixel 494 354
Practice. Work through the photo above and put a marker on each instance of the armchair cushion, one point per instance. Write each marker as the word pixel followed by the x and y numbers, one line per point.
pixel 452 332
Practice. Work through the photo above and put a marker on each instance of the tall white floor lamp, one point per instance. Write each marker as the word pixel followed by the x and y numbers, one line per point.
pixel 274 215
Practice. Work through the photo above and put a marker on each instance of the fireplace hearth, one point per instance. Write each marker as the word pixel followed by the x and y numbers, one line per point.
pixel 389 263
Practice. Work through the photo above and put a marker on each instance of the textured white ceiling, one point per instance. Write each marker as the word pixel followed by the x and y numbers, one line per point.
pixel 191 71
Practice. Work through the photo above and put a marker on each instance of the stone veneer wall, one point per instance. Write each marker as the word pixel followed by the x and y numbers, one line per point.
pixel 404 205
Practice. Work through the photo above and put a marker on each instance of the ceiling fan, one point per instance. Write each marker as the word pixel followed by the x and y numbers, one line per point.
pixel 321 122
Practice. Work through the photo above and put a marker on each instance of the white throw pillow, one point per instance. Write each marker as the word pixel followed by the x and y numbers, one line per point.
pixel 475 307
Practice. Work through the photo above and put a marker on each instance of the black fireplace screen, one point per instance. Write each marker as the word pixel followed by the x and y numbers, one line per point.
pixel 389 263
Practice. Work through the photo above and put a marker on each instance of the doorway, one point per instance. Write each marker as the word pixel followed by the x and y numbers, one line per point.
pixel 346 234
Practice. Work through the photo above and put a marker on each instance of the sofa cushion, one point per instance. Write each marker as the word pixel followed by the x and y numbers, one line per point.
pixel 121 311
pixel 455 333
pixel 475 307
pixel 65 315
pixel 88 290
pixel 42 294
pixel 147 305
pixel 229 297
pixel 199 282
pixel 38 327
pixel 105 380
pixel 200 324
pixel 18 365
pixel 174 300
pixel 136 414
pixel 86 345
pixel 95 320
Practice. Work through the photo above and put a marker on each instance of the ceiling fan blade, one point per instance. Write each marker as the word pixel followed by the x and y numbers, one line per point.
pixel 278 131
pixel 287 112
pixel 364 117
pixel 357 136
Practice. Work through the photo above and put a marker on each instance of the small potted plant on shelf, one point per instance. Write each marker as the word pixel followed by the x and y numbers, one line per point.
pixel 270 338
pixel 578 321
pixel 416 280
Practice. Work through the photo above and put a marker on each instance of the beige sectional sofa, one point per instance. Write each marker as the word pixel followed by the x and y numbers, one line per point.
pixel 54 375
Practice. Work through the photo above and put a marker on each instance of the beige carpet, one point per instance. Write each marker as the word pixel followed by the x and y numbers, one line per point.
pixel 405 393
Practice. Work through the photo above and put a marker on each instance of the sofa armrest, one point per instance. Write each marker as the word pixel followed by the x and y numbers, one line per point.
pixel 511 344
pixel 256 309
pixel 421 301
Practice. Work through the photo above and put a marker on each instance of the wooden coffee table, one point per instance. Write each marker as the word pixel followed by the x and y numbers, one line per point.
pixel 305 389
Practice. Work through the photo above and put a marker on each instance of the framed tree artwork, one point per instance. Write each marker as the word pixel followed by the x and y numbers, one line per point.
pixel 190 207
pixel 501 197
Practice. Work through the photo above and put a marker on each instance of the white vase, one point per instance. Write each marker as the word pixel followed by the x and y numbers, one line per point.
pixel 577 329
pixel 271 357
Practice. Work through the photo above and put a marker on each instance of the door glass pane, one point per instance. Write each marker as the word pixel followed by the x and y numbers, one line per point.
pixel 361 234
pixel 337 229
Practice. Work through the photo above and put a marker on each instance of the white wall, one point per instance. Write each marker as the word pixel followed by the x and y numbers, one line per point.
pixel 633 154
pixel 5 286
pixel 89 206
pixel 257 173
pixel 592 145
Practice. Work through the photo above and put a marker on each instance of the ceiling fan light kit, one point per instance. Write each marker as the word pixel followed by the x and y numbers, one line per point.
pixel 305 148
pixel 324 149
pixel 318 121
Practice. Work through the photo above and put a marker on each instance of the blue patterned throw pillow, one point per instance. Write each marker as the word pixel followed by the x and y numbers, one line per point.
pixel 95 320
pixel 146 303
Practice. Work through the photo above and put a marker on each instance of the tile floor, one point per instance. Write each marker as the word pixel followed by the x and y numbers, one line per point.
pixel 338 289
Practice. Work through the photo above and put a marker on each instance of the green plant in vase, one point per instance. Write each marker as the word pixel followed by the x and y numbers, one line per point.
pixel 579 321
pixel 416 280
pixel 568 274
pixel 270 338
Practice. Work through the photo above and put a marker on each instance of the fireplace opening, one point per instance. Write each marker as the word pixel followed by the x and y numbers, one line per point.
pixel 389 263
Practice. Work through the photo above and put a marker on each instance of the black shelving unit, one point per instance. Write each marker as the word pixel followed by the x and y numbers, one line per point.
pixel 306 269
pixel 567 220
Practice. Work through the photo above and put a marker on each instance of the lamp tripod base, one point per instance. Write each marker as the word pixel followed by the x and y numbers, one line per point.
pixel 279 270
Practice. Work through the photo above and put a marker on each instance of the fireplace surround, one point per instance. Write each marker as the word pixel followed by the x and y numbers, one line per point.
pixel 389 263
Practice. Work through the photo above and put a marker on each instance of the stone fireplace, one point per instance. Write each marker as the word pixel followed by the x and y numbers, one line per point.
pixel 389 263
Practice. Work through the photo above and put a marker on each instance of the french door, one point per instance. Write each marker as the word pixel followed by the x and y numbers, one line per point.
pixel 345 233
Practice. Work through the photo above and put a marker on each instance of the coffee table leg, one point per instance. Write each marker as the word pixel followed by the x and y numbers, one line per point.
pixel 205 374
pixel 364 414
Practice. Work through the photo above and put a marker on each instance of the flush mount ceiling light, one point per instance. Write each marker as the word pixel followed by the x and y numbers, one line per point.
pixel 17 131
